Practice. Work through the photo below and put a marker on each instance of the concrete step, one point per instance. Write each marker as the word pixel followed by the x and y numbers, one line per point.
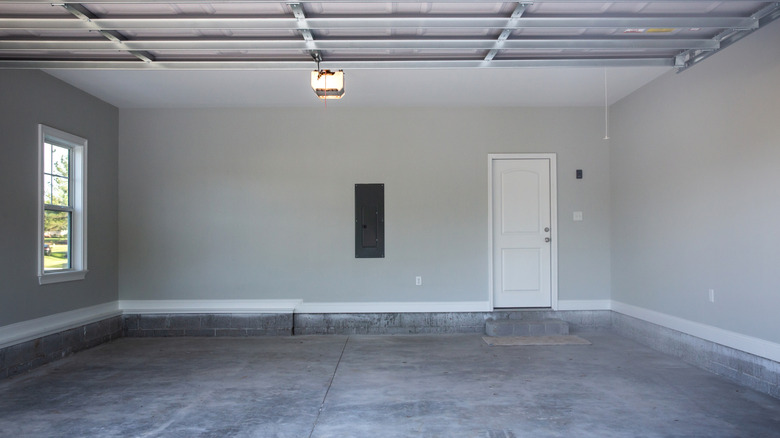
pixel 523 327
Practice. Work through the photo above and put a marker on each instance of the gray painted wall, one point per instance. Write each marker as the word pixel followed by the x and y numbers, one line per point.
pixel 258 204
pixel 27 99
pixel 695 168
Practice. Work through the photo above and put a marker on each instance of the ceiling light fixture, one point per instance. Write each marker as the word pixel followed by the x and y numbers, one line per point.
pixel 325 83
pixel 328 84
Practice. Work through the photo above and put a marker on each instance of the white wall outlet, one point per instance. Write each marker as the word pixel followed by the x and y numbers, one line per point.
pixel 578 216
pixel 712 295
pixel 418 280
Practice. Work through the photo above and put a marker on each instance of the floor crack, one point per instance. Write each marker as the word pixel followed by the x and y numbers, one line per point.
pixel 322 405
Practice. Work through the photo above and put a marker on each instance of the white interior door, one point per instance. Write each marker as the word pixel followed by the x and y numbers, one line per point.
pixel 522 221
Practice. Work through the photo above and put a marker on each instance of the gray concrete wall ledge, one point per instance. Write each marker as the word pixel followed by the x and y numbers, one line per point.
pixel 746 369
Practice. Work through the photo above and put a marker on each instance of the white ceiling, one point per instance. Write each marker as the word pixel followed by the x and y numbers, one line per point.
pixel 578 86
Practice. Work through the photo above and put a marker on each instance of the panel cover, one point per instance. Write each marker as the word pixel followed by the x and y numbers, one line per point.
pixel 369 220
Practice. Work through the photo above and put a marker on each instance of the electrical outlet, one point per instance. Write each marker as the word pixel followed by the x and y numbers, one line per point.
pixel 418 280
pixel 712 295
pixel 577 216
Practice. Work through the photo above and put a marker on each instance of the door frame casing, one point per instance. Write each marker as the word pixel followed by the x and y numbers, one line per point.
pixel 553 220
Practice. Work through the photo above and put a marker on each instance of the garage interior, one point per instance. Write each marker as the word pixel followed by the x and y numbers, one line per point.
pixel 215 283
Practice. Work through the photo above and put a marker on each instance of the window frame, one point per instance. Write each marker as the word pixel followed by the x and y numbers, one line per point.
pixel 77 175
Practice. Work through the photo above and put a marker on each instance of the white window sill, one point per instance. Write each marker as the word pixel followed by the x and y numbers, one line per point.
pixel 60 277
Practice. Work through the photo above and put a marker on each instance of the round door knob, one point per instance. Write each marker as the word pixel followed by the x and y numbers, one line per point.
pixel 546 229
pixel 546 239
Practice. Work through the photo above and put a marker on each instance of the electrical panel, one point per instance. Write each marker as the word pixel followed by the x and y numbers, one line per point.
pixel 369 220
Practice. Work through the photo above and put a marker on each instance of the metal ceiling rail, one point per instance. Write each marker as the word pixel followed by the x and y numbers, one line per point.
pixel 308 37
pixel 304 27
pixel 137 2
pixel 516 14
pixel 348 22
pixel 308 65
pixel 71 49
pixel 358 44
pixel 691 57
pixel 84 14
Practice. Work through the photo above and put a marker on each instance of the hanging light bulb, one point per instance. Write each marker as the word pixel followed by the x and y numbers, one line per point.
pixel 328 84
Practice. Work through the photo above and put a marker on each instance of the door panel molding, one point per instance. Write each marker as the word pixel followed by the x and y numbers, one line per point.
pixel 552 157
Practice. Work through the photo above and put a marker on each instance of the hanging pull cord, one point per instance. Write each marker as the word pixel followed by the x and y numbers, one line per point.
pixel 606 108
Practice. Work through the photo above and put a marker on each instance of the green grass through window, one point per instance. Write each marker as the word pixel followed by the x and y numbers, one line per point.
pixel 58 258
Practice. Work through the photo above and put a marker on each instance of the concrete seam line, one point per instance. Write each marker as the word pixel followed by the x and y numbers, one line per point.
pixel 322 405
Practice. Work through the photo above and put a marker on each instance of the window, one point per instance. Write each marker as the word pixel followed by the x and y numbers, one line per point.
pixel 62 218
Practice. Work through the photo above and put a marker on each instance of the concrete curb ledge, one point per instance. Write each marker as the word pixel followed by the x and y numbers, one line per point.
pixel 435 322
pixel 746 369
pixel 750 370
pixel 27 355
pixel 208 324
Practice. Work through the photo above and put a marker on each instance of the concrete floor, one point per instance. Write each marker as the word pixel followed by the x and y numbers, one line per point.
pixel 388 386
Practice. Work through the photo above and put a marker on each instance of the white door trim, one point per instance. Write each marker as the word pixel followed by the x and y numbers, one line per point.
pixel 553 219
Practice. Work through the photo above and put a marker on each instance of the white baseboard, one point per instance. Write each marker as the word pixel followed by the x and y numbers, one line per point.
pixel 299 306
pixel 394 307
pixel 759 347
pixel 35 328
pixel 584 304
pixel 208 306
